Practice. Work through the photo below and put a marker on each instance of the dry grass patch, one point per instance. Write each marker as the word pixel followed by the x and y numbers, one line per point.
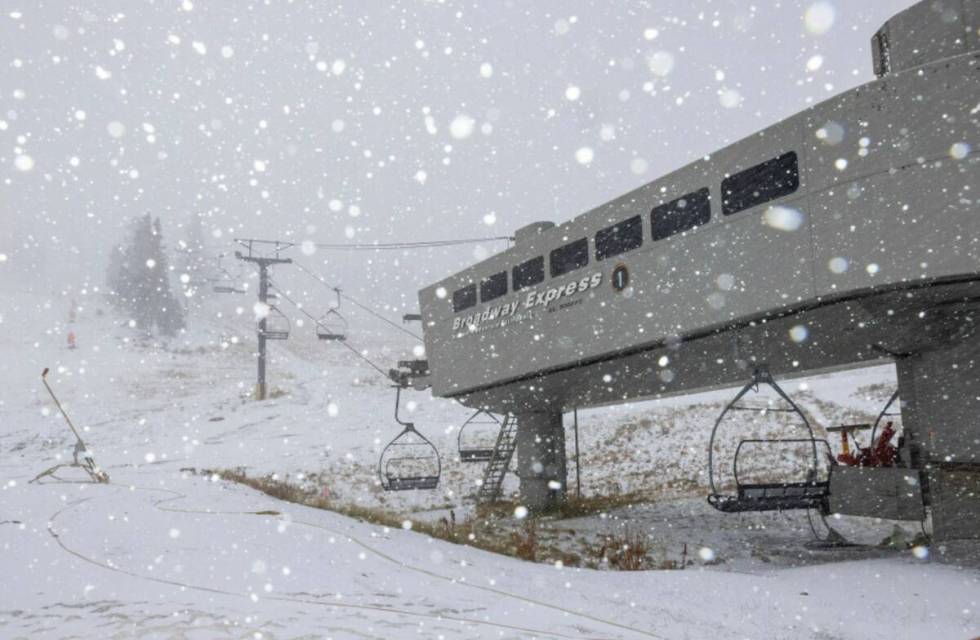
pixel 480 533
pixel 526 540
pixel 493 528
pixel 628 551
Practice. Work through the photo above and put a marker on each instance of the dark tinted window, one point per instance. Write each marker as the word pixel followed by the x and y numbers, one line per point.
pixel 621 237
pixel 688 211
pixel 464 298
pixel 763 182
pixel 493 287
pixel 570 257
pixel 528 274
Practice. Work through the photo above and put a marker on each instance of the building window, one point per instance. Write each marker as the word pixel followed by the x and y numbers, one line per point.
pixel 528 274
pixel 573 255
pixel 493 287
pixel 684 213
pixel 619 238
pixel 464 298
pixel 764 182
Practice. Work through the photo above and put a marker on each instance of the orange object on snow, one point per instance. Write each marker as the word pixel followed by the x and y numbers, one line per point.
pixel 71 340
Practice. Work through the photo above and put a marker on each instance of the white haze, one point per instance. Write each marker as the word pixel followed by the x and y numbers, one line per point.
pixel 433 119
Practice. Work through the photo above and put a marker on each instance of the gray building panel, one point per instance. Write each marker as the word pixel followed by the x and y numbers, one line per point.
pixel 883 492
pixel 885 202
pixel 955 495
pixel 928 31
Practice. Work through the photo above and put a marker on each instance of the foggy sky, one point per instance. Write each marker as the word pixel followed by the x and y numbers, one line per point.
pixel 271 119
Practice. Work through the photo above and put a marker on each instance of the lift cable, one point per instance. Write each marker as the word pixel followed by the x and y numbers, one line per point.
pixel 356 303
pixel 381 246
pixel 394 246
pixel 344 343
pixel 280 244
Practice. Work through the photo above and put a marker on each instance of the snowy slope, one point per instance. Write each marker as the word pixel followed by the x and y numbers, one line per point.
pixel 173 556
pixel 166 553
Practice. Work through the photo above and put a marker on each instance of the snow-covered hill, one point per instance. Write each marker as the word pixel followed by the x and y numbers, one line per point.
pixel 187 402
pixel 168 553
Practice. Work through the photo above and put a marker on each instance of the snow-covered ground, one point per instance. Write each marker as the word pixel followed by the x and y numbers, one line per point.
pixel 166 552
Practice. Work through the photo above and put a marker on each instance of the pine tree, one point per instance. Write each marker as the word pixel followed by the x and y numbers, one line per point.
pixel 192 261
pixel 168 314
pixel 115 275
pixel 139 277
pixel 141 262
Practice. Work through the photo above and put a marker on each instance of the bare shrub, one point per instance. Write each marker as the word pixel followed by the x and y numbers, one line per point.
pixel 526 540
pixel 625 551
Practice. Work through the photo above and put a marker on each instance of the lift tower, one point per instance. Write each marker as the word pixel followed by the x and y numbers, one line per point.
pixel 263 263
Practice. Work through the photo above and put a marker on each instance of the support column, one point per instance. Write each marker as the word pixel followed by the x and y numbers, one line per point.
pixel 940 393
pixel 541 462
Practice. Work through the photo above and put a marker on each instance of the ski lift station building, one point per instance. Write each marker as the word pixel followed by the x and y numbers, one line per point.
pixel 844 235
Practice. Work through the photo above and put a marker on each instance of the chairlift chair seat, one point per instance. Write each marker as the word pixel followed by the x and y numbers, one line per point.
pixel 410 461
pixel 417 466
pixel 331 327
pixel 224 281
pixel 475 455
pixel 812 493
pixel 277 325
pixel 776 496
pixel 477 452
pixel 226 286
pixel 412 483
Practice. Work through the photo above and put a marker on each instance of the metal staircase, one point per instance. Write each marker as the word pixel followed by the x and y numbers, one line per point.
pixel 503 451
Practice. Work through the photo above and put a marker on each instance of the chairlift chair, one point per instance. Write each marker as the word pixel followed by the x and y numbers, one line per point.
pixel 224 281
pixel 411 373
pixel 332 325
pixel 277 325
pixel 811 493
pixel 225 284
pixel 410 461
pixel 475 448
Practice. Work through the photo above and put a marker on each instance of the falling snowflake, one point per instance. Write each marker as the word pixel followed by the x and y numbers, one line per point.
pixel 584 155
pixel 461 127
